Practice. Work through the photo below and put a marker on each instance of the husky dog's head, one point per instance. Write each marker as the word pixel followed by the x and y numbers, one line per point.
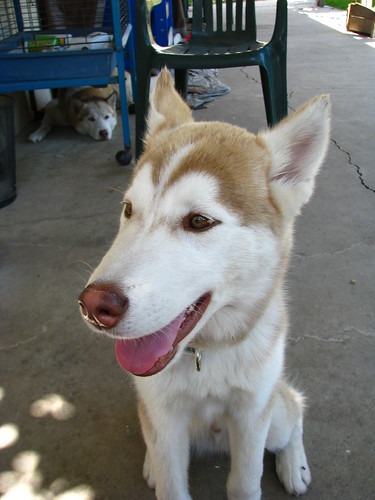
pixel 205 232
pixel 96 117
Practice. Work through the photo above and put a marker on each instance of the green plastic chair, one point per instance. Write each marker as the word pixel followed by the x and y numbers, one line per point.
pixel 227 39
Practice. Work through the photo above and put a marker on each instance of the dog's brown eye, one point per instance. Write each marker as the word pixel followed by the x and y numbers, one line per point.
pixel 127 209
pixel 91 119
pixel 198 222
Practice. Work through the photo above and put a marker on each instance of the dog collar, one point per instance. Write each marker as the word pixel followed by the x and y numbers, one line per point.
pixel 198 356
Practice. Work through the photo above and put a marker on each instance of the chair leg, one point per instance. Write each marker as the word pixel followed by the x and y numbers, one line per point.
pixel 274 85
pixel 181 81
pixel 141 109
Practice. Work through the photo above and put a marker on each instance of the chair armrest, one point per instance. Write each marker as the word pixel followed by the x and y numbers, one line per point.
pixel 143 19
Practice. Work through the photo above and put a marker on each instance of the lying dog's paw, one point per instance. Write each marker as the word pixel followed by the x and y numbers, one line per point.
pixel 36 136
pixel 41 132
pixel 148 474
pixel 293 470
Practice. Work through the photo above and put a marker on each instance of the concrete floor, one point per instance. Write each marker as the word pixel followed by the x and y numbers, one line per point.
pixel 68 425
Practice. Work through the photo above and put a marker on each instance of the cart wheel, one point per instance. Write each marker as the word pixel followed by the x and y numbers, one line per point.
pixel 123 157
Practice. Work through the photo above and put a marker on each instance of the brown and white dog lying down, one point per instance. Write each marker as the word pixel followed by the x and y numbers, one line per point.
pixel 192 291
pixel 90 111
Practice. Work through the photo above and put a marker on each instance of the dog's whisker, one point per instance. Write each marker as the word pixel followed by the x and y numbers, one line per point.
pixel 89 266
pixel 80 276
pixel 117 190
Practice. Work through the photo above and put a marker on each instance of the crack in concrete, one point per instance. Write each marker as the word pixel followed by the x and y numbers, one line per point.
pixel 248 76
pixel 259 83
pixel 352 164
pixel 18 344
pixel 343 339
pixel 331 340
pixel 332 254
pixel 362 333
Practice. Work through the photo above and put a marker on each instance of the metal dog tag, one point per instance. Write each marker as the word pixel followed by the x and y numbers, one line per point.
pixel 198 360
pixel 198 356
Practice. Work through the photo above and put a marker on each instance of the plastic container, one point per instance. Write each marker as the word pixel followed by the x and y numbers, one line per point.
pixel 7 151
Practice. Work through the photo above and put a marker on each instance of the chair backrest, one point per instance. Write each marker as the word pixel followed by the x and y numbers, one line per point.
pixel 220 21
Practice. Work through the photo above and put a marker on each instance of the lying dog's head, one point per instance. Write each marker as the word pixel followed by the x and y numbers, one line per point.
pixel 205 230
pixel 96 117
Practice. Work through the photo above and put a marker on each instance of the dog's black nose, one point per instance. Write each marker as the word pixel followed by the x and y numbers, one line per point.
pixel 103 134
pixel 103 305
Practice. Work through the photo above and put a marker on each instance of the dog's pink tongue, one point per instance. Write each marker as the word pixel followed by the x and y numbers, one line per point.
pixel 139 355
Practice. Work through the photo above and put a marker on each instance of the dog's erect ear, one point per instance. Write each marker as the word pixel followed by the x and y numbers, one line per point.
pixel 77 105
pixel 112 100
pixel 167 108
pixel 298 146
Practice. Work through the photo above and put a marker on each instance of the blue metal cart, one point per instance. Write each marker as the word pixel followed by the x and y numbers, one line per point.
pixel 65 43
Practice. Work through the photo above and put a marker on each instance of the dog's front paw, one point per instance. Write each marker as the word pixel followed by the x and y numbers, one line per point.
pixel 36 136
pixel 41 132
pixel 240 491
pixel 148 473
pixel 293 471
pixel 253 496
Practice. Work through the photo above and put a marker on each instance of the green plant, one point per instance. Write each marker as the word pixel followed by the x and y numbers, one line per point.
pixel 342 4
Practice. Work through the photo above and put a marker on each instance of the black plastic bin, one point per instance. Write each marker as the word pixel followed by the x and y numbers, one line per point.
pixel 7 151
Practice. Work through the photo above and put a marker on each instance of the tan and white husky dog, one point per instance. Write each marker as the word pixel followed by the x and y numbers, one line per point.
pixel 91 111
pixel 192 289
